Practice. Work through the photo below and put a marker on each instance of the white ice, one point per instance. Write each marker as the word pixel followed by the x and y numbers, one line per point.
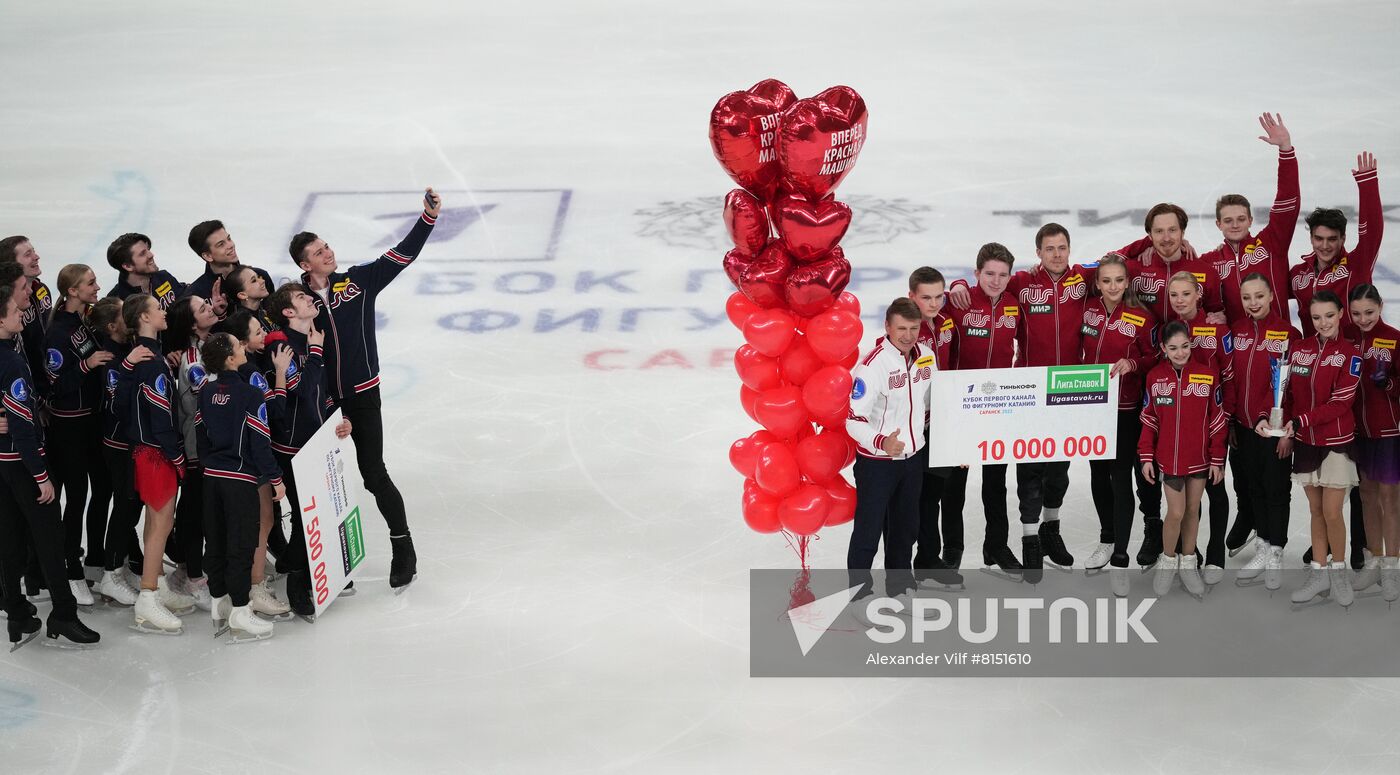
pixel 583 595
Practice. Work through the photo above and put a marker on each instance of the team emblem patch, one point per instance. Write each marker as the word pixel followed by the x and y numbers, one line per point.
pixel 197 375
pixel 262 413
pixel 161 384
pixel 857 389
pixel 53 360
pixel 1355 367
pixel 111 378
pixel 291 368
pixel 258 381
pixel 19 390
pixel 1227 343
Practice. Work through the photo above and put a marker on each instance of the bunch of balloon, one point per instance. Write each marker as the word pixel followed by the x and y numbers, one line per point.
pixel 801 329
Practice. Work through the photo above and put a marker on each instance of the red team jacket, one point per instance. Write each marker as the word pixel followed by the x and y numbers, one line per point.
pixel 1250 392
pixel 1351 268
pixel 1050 313
pixel 1321 390
pixel 1212 345
pixel 1378 407
pixel 1150 274
pixel 941 339
pixel 1108 338
pixel 986 331
pixel 1183 423
pixel 1266 252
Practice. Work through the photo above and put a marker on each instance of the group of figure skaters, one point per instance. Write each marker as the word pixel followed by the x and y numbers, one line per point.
pixel 1199 342
pixel 187 401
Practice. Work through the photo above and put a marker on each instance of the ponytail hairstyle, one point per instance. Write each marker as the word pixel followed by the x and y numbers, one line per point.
pixel 1366 291
pixel 104 314
pixel 216 352
pixel 136 305
pixel 68 277
pixel 179 325
pixel 1130 296
pixel 1172 329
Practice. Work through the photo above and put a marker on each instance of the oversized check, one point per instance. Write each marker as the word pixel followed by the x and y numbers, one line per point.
pixel 326 471
pixel 1025 415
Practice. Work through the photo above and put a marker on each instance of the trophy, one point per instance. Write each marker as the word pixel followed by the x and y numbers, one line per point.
pixel 1278 379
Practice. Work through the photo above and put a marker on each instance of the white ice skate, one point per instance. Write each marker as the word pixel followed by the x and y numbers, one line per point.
pixel 1250 574
pixel 1315 590
pixel 1390 580
pixel 1098 560
pixel 1191 576
pixel 175 602
pixel 1273 569
pixel 1370 574
pixel 114 588
pixel 264 601
pixel 1118 581
pixel 198 590
pixel 1249 544
pixel 244 626
pixel 153 617
pixel 1340 579
pixel 219 611
pixel 1166 569
pixel 1212 574
pixel 81 593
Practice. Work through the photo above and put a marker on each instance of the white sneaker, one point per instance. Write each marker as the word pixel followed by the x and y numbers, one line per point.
pixel 1273 569
pixel 198 590
pixel 263 600
pixel 1370 574
pixel 244 625
pixel 1118 581
pixel 1317 584
pixel 1340 579
pixel 1165 571
pixel 151 616
pixel 114 588
pixel 1262 552
pixel 174 602
pixel 81 593
pixel 1390 579
pixel 1099 558
pixel 1191 576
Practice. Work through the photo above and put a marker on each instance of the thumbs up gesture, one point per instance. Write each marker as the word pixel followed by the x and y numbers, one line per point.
pixel 892 445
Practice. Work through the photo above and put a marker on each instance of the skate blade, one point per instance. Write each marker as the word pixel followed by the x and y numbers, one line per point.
pixel 181 611
pixel 112 602
pixel 1368 593
pixel 351 591
pixel 308 619
pixel 23 641
pixel 927 586
pixel 397 590
pixel 1003 575
pixel 1089 573
pixel 1062 568
pixel 1249 539
pixel 151 629
pixel 1254 582
pixel 68 645
pixel 1317 601
pixel 220 629
pixel 286 617
pixel 240 637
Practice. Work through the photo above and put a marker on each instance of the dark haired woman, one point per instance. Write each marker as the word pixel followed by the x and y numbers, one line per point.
pixel 1378 442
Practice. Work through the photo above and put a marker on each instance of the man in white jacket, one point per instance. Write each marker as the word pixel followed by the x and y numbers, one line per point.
pixel 889 404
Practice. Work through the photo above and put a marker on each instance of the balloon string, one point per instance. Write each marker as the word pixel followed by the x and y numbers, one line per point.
pixel 800 547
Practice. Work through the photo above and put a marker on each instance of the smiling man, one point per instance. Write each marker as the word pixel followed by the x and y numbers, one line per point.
pixel 215 247
pixel 38 303
pixel 345 303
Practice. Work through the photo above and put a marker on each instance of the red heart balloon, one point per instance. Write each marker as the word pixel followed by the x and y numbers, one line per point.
pixel 835 421
pixel 813 288
pixel 743 454
pixel 842 508
pixel 735 262
pixel 811 229
pixel 827 392
pixel 846 301
pixel 757 370
pixel 834 335
pixel 746 220
pixel 781 411
pixel 776 471
pixel 748 398
pixel 744 134
pixel 850 358
pixel 819 139
pixel 798 362
pixel 804 511
pixel 738 308
pixel 820 457
pixel 770 331
pixel 760 509
pixel 762 280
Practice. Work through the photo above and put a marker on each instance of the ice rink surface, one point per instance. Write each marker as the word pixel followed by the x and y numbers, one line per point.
pixel 558 391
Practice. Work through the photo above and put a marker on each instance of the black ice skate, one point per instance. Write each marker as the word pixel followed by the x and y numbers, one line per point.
pixel 1032 559
pixel 1053 546
pixel 1151 544
pixel 403 569
pixel 1001 557
pixel 22 631
pixel 71 634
